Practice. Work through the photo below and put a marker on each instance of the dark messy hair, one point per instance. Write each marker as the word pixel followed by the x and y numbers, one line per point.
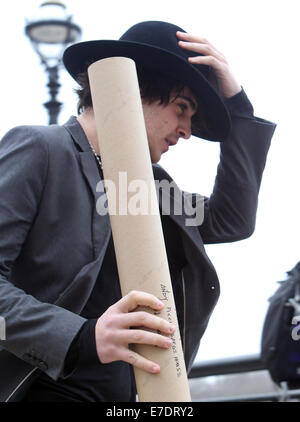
pixel 153 87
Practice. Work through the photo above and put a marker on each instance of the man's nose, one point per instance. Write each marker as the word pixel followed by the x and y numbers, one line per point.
pixel 184 130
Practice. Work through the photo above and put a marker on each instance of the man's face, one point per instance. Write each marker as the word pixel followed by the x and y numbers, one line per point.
pixel 165 124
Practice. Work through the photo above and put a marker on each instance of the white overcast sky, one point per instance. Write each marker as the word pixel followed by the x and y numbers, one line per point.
pixel 260 39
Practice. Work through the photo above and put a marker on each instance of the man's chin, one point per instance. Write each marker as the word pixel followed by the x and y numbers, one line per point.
pixel 155 159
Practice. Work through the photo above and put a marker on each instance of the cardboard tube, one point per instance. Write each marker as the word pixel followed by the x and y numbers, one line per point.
pixel 138 237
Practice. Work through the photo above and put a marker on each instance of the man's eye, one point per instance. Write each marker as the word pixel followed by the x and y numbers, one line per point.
pixel 182 106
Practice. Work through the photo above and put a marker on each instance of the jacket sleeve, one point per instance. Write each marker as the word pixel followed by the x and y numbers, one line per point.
pixel 230 211
pixel 39 333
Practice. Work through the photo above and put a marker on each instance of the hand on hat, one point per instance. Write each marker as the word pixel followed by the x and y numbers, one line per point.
pixel 213 58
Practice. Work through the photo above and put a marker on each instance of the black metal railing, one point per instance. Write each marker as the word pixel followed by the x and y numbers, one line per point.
pixel 227 366
pixel 239 365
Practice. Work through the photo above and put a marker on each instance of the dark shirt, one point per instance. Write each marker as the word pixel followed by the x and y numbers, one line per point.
pixel 86 378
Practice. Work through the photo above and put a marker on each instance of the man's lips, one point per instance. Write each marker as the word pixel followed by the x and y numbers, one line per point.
pixel 172 141
pixel 169 142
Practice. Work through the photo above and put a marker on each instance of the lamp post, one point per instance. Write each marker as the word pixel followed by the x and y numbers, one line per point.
pixel 50 30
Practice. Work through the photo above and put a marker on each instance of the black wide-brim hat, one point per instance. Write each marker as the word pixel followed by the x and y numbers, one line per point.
pixel 153 45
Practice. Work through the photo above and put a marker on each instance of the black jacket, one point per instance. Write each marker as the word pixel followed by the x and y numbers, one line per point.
pixel 48 177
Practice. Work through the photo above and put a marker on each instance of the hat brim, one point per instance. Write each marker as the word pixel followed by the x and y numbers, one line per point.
pixel 218 123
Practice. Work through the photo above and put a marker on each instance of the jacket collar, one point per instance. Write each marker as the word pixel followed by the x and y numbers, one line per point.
pixel 77 133
pixel 86 155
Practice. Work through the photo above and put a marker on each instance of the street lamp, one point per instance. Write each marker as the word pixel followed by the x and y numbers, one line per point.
pixel 50 30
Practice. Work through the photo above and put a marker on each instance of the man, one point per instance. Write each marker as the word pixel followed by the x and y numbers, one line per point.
pixel 66 322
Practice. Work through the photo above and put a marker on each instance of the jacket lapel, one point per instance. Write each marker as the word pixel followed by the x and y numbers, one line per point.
pixel 100 223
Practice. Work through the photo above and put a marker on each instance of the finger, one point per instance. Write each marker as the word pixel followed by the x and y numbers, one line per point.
pixel 193 38
pixel 136 298
pixel 139 361
pixel 145 337
pixel 147 320
pixel 184 36
pixel 205 49
pixel 211 61
pixel 199 40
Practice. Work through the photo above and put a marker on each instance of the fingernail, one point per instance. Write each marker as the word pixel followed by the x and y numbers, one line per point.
pixel 171 328
pixel 160 304
pixel 155 368
pixel 168 343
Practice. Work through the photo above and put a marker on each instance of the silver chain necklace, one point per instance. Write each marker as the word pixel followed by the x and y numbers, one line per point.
pixel 96 155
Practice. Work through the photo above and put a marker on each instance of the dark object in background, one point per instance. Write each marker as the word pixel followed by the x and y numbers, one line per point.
pixel 280 342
